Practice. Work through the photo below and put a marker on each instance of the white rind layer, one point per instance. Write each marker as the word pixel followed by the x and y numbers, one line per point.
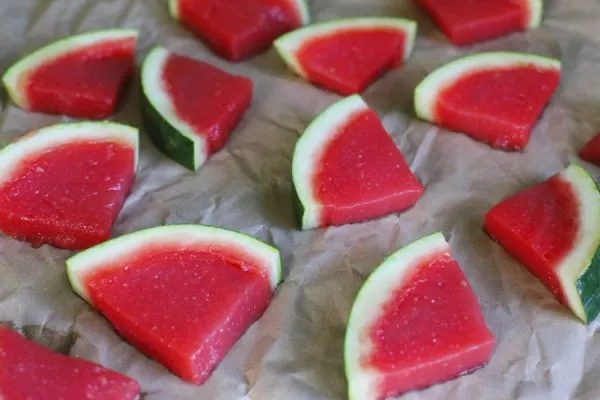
pixel 374 294
pixel 427 92
pixel 309 150
pixel 44 139
pixel 588 237
pixel 288 44
pixel 155 92
pixel 108 254
pixel 536 11
pixel 18 72
pixel 300 5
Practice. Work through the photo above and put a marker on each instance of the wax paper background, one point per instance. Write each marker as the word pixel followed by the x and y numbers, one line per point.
pixel 295 350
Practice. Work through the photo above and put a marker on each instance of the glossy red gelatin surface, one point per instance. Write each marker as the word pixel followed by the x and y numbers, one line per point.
pixel 238 29
pixel 362 174
pixel 467 21
pixel 210 100
pixel 431 330
pixel 86 83
pixel 184 308
pixel 591 151
pixel 30 371
pixel 69 196
pixel 538 226
pixel 500 106
pixel 347 61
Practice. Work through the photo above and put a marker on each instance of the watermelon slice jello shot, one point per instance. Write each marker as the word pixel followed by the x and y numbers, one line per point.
pixel 65 184
pixel 494 97
pixel 82 76
pixel 189 107
pixel 346 168
pixel 415 322
pixel 181 294
pixel 347 55
pixel 553 229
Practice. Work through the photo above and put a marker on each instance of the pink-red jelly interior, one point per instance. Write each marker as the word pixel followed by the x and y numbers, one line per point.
pixel 183 307
pixel 238 29
pixel 498 106
pixel 207 98
pixel 85 83
pixel 349 60
pixel 68 196
pixel 538 226
pixel 468 21
pixel 30 371
pixel 430 330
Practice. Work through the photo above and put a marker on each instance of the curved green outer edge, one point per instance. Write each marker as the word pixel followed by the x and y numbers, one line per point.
pixel 287 45
pixel 579 272
pixel 51 51
pixel 429 89
pixel 374 293
pixel 106 254
pixel 308 151
pixel 42 139
pixel 169 133
pixel 174 9
pixel 536 12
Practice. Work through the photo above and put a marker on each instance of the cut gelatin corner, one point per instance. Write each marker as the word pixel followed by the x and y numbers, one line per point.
pixel 347 169
pixel 414 323
pixel 181 294
pixel 553 229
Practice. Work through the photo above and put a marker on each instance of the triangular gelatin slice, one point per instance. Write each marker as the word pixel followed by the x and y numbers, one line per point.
pixel 553 228
pixel 238 29
pixel 467 21
pixel 345 56
pixel 346 168
pixel 190 107
pixel 494 97
pixel 81 76
pixel 65 184
pixel 181 294
pixel 30 371
pixel 414 323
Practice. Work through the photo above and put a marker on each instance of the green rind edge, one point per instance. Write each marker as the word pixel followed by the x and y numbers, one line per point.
pixel 588 287
pixel 21 65
pixel 368 282
pixel 162 231
pixel 163 134
pixel 165 137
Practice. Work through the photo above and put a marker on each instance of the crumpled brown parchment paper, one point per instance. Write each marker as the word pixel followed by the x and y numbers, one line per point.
pixel 295 350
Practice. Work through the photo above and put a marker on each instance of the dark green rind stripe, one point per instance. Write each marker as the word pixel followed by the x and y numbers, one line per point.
pixel 588 287
pixel 165 136
pixel 298 207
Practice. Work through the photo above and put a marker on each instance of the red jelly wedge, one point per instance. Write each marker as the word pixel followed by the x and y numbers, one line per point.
pixel 181 294
pixel 414 323
pixel 81 76
pixel 238 29
pixel 29 371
